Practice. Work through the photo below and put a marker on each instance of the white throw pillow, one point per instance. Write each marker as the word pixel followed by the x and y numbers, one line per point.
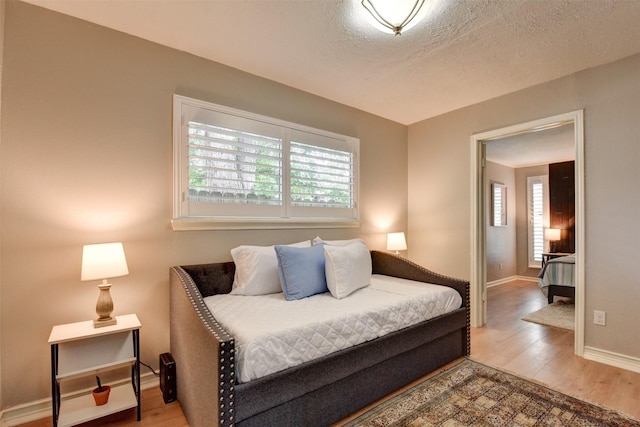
pixel 347 268
pixel 317 240
pixel 257 269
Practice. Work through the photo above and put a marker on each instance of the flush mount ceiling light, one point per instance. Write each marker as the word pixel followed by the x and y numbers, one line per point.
pixel 394 15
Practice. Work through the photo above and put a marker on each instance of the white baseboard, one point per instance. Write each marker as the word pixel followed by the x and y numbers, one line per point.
pixel 42 408
pixel 614 359
pixel 511 279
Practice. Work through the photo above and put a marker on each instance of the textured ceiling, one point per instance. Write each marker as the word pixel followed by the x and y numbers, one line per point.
pixel 534 148
pixel 464 52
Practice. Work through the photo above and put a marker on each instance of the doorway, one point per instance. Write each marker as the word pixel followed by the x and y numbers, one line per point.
pixel 479 212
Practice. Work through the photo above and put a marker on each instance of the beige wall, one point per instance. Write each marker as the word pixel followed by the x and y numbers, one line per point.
pixel 439 188
pixel 87 157
pixel 501 241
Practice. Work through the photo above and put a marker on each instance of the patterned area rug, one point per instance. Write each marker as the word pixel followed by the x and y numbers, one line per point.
pixel 472 394
pixel 560 314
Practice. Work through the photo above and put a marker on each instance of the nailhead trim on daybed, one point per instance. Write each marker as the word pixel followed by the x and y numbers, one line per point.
pixel 226 356
pixel 203 280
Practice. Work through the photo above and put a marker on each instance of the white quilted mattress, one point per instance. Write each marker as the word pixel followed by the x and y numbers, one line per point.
pixel 273 334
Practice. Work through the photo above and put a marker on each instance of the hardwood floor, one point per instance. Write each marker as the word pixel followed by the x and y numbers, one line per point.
pixel 154 413
pixel 545 354
pixel 541 353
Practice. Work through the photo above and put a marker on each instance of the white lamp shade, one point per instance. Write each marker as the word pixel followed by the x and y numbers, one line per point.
pixel 396 242
pixel 103 261
pixel 552 234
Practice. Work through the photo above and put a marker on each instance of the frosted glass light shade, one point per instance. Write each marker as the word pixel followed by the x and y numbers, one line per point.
pixel 394 16
pixel 396 242
pixel 552 234
pixel 103 261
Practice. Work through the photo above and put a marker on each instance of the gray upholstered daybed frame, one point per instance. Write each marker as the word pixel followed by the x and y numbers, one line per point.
pixel 315 393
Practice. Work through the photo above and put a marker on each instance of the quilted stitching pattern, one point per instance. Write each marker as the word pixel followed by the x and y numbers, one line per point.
pixel 273 334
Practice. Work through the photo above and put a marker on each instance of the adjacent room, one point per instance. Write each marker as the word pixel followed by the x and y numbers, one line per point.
pixel 530 193
pixel 493 139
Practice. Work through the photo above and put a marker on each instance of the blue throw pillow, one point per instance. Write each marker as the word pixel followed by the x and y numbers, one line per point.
pixel 301 271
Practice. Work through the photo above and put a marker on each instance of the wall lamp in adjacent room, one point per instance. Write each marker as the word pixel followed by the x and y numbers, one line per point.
pixel 394 16
pixel 103 261
pixel 396 242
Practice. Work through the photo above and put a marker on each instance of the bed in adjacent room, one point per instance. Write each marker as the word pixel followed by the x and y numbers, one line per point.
pixel 557 277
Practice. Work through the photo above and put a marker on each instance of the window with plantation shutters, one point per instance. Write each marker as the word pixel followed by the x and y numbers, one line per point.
pixel 497 206
pixel 234 169
pixel 537 216
pixel 321 176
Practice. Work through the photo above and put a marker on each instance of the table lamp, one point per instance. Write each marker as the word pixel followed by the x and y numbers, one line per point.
pixel 103 261
pixel 396 242
pixel 552 235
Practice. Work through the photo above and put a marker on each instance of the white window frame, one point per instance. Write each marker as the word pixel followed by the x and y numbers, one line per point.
pixel 543 223
pixel 286 216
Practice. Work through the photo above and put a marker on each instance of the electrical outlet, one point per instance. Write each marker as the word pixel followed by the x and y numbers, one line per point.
pixel 500 266
pixel 599 317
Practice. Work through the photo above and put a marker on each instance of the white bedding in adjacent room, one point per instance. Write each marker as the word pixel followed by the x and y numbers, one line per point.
pixel 273 334
pixel 557 271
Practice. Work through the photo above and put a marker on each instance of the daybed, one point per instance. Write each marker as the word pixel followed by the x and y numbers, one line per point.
pixel 557 277
pixel 315 393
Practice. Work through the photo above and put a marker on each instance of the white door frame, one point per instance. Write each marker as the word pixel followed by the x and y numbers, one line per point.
pixel 478 220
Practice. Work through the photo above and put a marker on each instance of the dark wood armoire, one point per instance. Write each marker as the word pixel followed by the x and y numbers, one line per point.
pixel 562 191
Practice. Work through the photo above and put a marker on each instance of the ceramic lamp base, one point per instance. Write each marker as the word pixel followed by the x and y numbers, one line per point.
pixel 104 307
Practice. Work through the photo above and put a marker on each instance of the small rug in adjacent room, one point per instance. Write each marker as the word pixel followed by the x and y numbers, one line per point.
pixel 472 394
pixel 560 314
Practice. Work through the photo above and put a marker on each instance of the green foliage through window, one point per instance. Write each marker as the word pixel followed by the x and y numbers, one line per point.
pixel 231 165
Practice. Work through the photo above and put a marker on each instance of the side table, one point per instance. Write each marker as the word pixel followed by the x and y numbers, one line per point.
pixel 78 350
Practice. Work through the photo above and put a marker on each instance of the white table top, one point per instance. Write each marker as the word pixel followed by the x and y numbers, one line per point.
pixel 81 330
